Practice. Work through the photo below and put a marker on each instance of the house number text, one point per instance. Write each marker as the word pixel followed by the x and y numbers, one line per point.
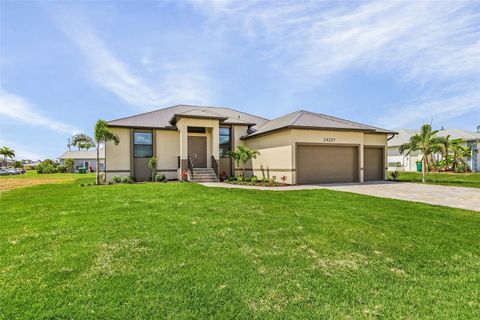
pixel 328 139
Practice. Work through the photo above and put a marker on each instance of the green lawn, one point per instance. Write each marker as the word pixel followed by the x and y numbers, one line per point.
pixel 33 174
pixel 444 178
pixel 184 251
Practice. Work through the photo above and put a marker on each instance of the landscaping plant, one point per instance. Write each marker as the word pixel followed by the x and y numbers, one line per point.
pixel 102 136
pixel 152 164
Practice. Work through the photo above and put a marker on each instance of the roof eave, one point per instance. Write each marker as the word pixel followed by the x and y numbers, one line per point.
pixel 175 118
pixel 372 131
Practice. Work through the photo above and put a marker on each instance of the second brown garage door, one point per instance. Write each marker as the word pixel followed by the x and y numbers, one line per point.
pixel 327 164
pixel 373 163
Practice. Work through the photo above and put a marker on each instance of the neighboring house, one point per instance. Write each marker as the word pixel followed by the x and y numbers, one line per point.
pixel 84 158
pixel 397 161
pixel 303 146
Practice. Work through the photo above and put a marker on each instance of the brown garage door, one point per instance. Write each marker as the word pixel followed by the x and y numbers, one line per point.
pixel 327 164
pixel 373 164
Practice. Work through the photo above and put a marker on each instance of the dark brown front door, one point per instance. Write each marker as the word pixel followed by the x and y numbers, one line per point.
pixel 197 151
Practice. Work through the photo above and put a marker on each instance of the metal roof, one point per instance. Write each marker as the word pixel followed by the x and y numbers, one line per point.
pixel 162 118
pixel 82 154
pixel 309 120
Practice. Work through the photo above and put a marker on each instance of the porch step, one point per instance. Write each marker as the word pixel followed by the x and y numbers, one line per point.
pixel 202 175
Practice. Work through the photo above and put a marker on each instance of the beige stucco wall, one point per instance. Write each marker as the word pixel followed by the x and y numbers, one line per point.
pixel 117 157
pixel 167 151
pixel 275 159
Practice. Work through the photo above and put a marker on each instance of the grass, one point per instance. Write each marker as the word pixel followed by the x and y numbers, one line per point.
pixel 31 178
pixel 184 251
pixel 444 178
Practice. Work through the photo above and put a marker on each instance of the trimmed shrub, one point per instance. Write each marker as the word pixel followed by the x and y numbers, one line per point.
pixel 231 178
pixel 62 169
pixel 254 179
pixel 240 179
pixel 127 180
pixel 160 178
pixel 116 179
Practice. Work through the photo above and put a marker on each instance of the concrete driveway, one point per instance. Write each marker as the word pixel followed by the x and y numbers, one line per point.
pixel 457 197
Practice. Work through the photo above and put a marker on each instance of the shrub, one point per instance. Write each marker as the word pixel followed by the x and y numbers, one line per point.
pixel 127 179
pixel 117 179
pixel 395 175
pixel 160 178
pixel 272 180
pixel 264 180
pixel 231 178
pixel 69 164
pixel 18 165
pixel 239 179
pixel 46 168
pixel 254 179
pixel 62 169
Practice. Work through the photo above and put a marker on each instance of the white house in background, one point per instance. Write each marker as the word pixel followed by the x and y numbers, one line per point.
pixel 84 158
pixel 399 162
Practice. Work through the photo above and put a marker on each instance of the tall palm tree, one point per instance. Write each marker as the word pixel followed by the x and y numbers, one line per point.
pixel 6 152
pixel 102 136
pixel 460 153
pixel 426 141
pixel 446 144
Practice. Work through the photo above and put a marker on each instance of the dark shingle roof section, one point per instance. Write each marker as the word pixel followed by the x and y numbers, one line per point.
pixel 309 120
pixel 161 118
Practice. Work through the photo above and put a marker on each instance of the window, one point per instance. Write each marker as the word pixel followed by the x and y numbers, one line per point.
pixel 224 142
pixel 196 129
pixel 142 145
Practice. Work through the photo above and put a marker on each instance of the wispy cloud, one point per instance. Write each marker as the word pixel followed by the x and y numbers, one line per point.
pixel 21 151
pixel 426 43
pixel 18 108
pixel 181 85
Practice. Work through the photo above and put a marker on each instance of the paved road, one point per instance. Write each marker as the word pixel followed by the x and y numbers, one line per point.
pixel 457 197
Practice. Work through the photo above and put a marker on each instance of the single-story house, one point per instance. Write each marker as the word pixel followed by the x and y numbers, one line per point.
pixel 302 147
pixel 403 162
pixel 84 158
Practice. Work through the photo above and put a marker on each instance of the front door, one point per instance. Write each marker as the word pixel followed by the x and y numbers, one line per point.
pixel 197 151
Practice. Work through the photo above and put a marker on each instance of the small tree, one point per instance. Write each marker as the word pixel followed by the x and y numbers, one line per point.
pixel 460 153
pixel 6 152
pixel 18 165
pixel 426 142
pixel 243 155
pixel 152 164
pixel 82 141
pixel 446 145
pixel 102 136
pixel 69 164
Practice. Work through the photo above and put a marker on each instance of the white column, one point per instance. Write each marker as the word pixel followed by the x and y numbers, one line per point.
pixel 216 142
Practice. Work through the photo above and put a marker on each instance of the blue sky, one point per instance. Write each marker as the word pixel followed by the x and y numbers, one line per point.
pixel 63 65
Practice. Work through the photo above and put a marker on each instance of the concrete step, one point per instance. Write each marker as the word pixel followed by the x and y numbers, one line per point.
pixel 202 175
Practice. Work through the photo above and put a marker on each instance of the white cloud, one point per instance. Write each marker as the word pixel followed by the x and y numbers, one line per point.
pixel 20 109
pixel 185 85
pixel 425 43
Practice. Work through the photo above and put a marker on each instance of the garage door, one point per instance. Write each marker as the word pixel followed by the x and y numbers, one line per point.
pixel 373 164
pixel 327 164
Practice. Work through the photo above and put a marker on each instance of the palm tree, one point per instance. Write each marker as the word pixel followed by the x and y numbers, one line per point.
pixel 82 141
pixel 459 153
pixel 243 154
pixel 6 152
pixel 426 142
pixel 102 135
pixel 446 144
